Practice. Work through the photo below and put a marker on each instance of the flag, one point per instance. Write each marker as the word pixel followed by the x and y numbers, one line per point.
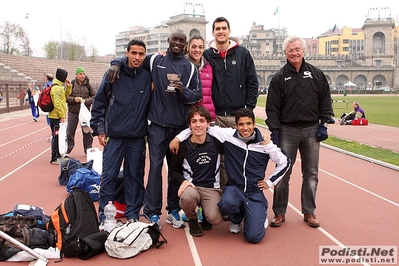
pixel 275 12
pixel 335 27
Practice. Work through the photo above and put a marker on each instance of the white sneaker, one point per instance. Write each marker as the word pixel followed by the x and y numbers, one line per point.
pixel 174 219
pixel 235 228
pixel 266 222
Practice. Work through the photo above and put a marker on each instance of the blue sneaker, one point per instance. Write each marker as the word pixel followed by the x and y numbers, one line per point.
pixel 184 217
pixel 155 220
pixel 174 219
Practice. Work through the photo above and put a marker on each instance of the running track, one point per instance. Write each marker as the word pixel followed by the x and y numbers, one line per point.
pixel 358 205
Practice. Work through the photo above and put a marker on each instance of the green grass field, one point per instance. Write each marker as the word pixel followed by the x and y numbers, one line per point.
pixel 382 110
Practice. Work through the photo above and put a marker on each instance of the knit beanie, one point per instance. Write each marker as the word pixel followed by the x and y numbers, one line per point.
pixel 61 74
pixel 80 70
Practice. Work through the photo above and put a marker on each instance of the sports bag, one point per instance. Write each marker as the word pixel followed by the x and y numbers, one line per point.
pixel 132 238
pixel 86 180
pixel 360 122
pixel 32 211
pixel 44 102
pixel 74 219
pixel 68 168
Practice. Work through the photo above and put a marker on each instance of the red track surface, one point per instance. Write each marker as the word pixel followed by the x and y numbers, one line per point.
pixel 357 204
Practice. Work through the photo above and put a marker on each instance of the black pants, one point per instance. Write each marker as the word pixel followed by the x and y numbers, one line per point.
pixel 55 126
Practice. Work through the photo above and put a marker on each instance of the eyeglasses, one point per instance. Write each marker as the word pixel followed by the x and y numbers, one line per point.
pixel 291 51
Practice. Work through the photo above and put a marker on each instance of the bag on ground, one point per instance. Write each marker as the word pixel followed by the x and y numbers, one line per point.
pixel 86 180
pixel 68 168
pixel 74 219
pixel 130 239
pixel 32 211
pixel 62 139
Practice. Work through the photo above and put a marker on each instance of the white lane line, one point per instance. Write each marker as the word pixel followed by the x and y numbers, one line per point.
pixel 190 240
pixel 359 187
pixel 323 231
pixel 7 128
pixel 193 247
pixel 16 169
pixel 24 136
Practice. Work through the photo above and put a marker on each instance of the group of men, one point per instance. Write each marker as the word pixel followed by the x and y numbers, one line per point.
pixel 135 103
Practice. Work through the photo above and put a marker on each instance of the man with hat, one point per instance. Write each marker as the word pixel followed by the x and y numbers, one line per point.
pixel 58 114
pixel 82 91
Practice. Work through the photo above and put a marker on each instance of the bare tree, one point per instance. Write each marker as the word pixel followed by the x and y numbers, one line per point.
pixel 13 37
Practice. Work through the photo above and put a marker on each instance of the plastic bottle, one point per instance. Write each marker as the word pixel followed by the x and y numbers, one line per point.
pixel 110 213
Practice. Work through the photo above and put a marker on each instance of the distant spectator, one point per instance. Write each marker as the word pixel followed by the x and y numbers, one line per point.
pixel 82 91
pixel 48 79
pixel 33 92
pixel 1 96
pixel 346 118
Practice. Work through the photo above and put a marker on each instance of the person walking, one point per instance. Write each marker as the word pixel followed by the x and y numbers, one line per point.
pixel 119 120
pixel 33 92
pixel 82 91
pixel 298 107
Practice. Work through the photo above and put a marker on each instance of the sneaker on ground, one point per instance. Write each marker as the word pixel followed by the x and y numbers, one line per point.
pixel 132 220
pixel 174 219
pixel 235 228
pixel 155 220
pixel 35 119
pixel 55 162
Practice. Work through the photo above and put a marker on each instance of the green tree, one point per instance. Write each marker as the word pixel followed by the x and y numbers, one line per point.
pixel 51 49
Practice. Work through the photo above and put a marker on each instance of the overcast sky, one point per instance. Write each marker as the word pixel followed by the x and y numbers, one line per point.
pixel 97 23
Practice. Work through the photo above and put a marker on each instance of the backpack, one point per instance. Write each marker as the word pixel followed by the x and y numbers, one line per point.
pixel 44 102
pixel 132 238
pixel 68 168
pixel 86 180
pixel 75 218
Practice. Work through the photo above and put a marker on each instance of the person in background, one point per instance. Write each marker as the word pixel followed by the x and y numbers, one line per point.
pixel 235 82
pixel 169 105
pixel 48 79
pixel 82 91
pixel 196 169
pixel 195 51
pixel 246 157
pixel 119 120
pixel 33 92
pixel 58 115
pixel 298 107
pixel 346 118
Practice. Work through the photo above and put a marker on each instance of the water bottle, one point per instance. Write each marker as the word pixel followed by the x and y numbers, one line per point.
pixel 110 213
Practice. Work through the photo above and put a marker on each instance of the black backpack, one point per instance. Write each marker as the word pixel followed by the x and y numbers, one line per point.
pixel 75 218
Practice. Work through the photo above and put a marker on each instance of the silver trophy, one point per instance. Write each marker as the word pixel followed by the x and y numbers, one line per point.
pixel 173 78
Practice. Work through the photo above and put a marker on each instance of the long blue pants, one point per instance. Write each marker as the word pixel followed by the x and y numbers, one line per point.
pixel 158 145
pixel 132 152
pixel 250 207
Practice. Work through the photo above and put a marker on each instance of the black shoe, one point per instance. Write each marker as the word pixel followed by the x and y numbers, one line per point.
pixel 195 230
pixel 205 225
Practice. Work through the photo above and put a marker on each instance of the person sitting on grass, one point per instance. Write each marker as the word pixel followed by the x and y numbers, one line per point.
pixel 346 118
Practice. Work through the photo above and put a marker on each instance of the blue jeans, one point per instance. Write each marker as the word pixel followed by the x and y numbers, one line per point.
pixel 293 139
pixel 33 109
